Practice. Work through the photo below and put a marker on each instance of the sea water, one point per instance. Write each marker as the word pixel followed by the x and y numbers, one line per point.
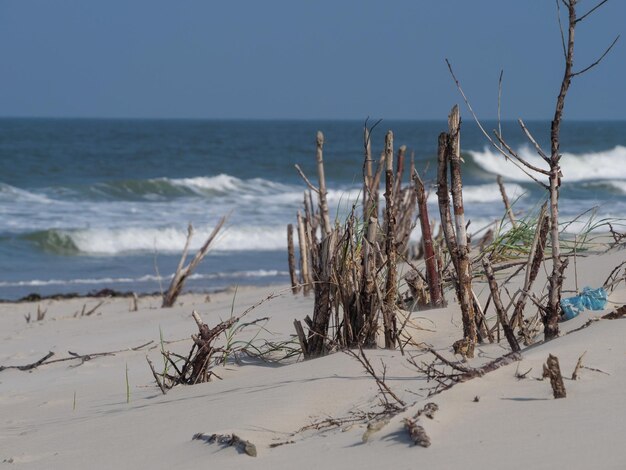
pixel 88 204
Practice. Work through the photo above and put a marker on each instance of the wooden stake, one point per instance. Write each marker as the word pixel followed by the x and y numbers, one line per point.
pixel 552 370
pixel 322 309
pixel 304 258
pixel 291 258
pixel 463 268
pixel 319 154
pixel 391 289
pixel 432 276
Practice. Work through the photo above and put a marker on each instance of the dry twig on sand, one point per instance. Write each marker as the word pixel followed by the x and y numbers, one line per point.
pixel 72 357
pixel 380 380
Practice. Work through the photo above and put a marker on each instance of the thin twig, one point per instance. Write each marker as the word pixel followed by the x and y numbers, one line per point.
pixel 306 180
pixel 589 67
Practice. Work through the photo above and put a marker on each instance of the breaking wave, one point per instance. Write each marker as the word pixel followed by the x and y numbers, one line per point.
pixel 603 165
pixel 102 241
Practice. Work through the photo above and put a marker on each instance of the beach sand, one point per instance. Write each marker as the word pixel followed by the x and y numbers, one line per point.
pixel 74 415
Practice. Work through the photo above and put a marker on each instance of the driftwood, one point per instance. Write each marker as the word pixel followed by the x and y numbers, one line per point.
pixel 617 313
pixel 319 155
pixel 30 366
pixel 416 431
pixel 458 248
pixel 353 265
pixel 461 373
pixel 41 314
pixel 389 306
pixel 303 242
pixel 182 271
pixel 579 364
pixel 432 274
pixel 228 440
pixel 197 365
pixel 291 259
pixel 86 313
pixel 552 370
pixel 72 357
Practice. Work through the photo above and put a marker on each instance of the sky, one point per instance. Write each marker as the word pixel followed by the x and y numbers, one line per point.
pixel 302 59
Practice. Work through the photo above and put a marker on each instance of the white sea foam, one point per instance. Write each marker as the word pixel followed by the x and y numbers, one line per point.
pixel 224 183
pixel 121 240
pixel 486 193
pixel 14 194
pixel 603 165
pixel 220 183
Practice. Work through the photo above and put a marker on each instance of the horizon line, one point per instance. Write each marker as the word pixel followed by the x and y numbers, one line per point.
pixel 301 119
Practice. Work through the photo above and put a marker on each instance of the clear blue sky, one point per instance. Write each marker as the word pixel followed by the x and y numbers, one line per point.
pixel 301 58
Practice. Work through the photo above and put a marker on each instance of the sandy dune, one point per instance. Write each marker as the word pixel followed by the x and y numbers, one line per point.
pixel 75 415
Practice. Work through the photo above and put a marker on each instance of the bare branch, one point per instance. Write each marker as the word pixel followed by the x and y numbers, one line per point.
pixel 578 20
pixel 500 102
pixel 485 133
pixel 538 148
pixel 589 67
pixel 558 15
pixel 520 159
pixel 306 180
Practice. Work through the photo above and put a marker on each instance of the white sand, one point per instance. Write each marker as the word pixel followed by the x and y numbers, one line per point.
pixel 515 424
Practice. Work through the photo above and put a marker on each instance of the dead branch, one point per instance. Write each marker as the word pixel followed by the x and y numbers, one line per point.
pixel 389 306
pixel 30 366
pixel 323 204
pixel 535 258
pixel 432 275
pixel 505 200
pixel 414 427
pixel 462 266
pixel 73 356
pixel 155 375
pixel 228 440
pixel 182 272
pixel 579 363
pixel 617 313
pixel 552 370
pixel 499 148
pixel 306 180
pixel 291 259
pixel 416 433
pixel 91 311
pixel 589 67
pixel 380 381
pixel 502 317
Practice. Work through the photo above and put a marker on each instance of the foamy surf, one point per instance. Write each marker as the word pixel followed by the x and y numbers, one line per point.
pixel 258 273
pixel 111 242
pixel 602 165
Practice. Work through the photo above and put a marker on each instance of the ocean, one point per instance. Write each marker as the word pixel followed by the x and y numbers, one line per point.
pixel 87 204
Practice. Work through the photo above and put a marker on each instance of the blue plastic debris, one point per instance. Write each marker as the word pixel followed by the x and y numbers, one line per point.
pixel 590 299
